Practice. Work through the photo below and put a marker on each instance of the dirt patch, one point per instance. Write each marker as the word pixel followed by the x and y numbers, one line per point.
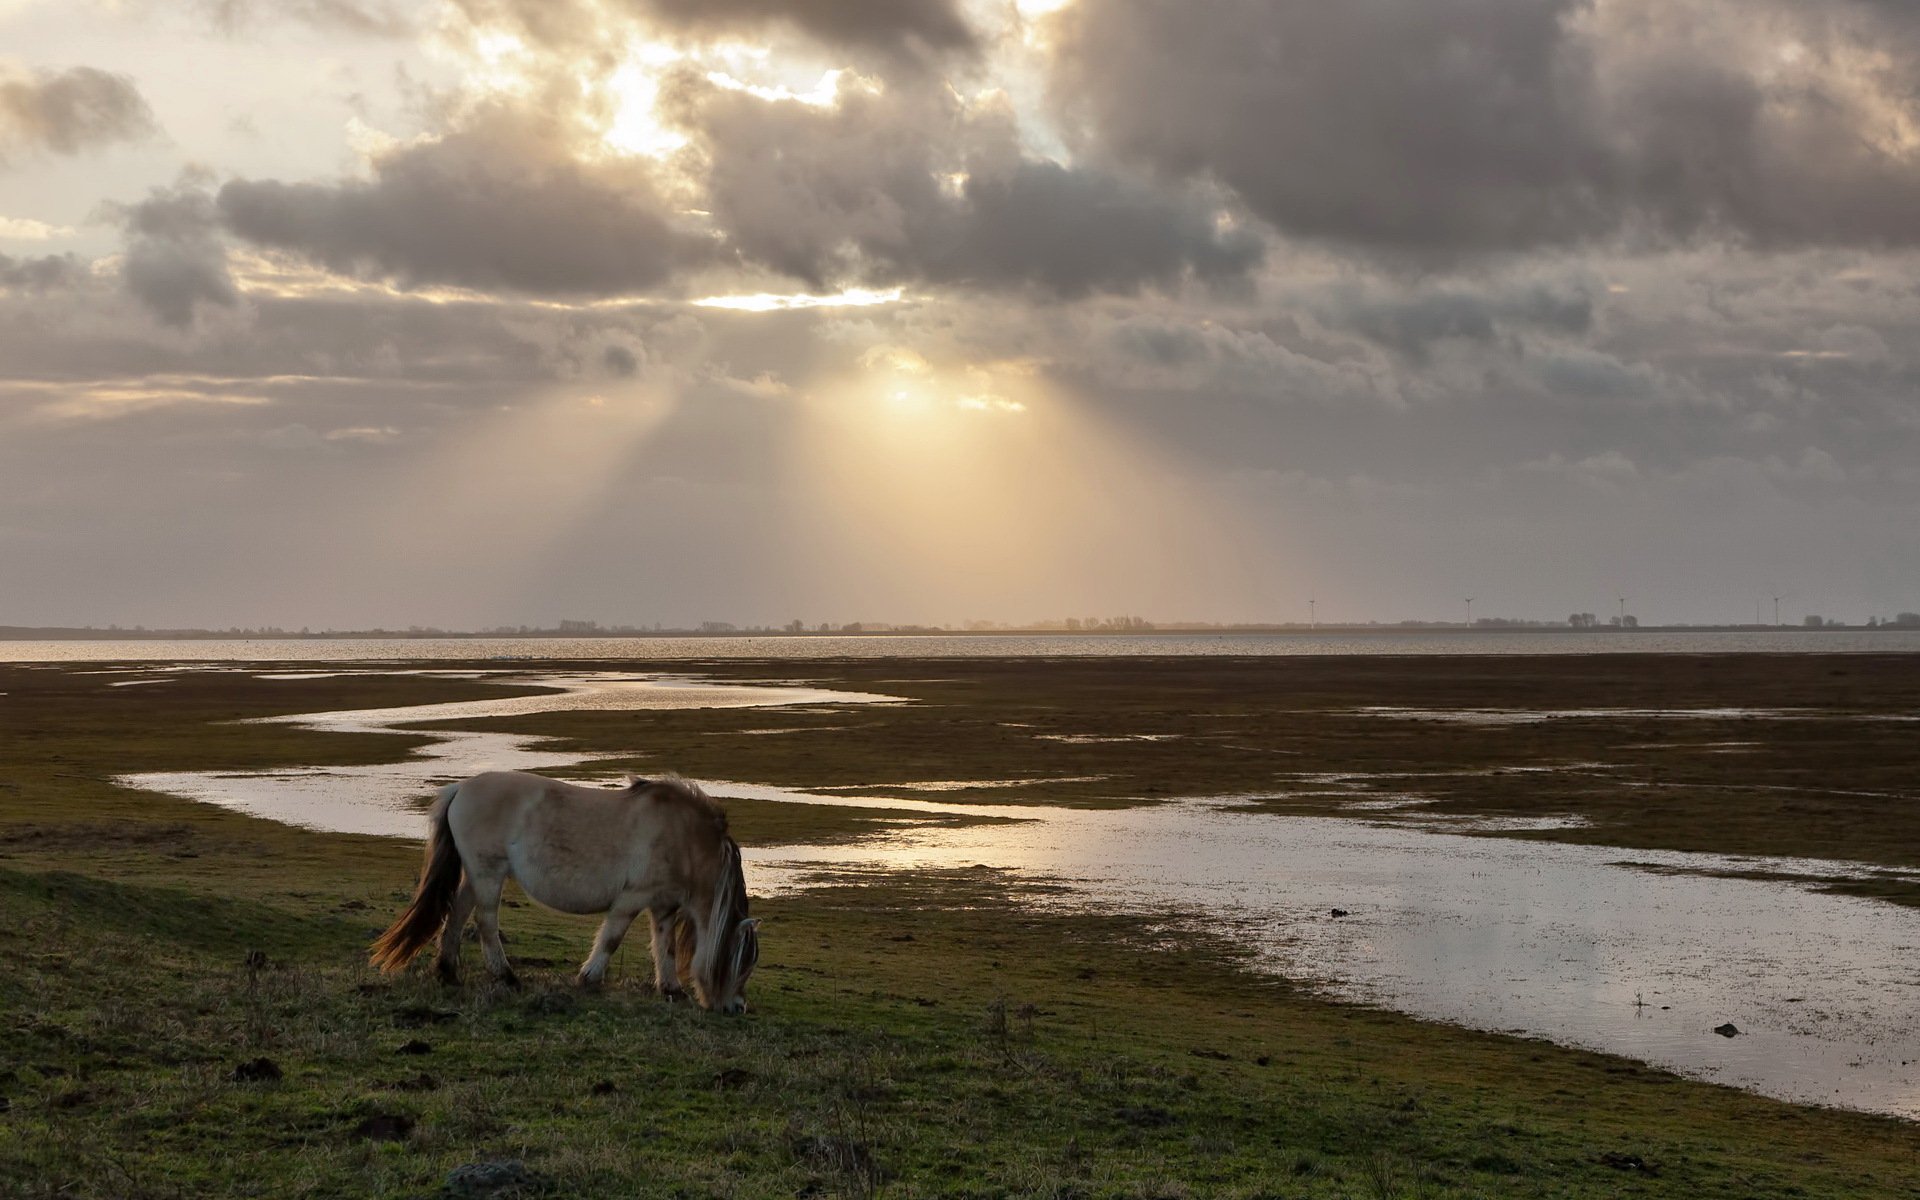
pixel 92 836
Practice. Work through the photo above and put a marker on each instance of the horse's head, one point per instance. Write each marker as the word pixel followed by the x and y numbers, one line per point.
pixel 729 946
pixel 737 960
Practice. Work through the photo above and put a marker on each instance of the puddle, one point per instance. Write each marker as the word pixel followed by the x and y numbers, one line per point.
pixel 1098 739
pixel 431 673
pixel 1555 941
pixel 1550 940
pixel 960 785
pixel 1532 716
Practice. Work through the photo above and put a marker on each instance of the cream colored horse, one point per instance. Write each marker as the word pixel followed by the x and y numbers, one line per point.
pixel 656 846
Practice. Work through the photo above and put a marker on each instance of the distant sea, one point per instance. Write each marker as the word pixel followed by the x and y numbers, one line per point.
pixel 1024 645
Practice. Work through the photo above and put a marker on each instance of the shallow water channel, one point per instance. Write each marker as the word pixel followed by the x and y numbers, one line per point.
pixel 1554 941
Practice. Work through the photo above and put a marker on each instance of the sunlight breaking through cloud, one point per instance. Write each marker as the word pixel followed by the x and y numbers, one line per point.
pixel 774 301
pixel 993 299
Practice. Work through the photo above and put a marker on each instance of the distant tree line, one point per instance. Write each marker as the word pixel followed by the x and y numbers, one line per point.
pixel 580 628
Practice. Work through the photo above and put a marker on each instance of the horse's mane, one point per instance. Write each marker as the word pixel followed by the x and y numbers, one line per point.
pixel 730 949
pixel 672 789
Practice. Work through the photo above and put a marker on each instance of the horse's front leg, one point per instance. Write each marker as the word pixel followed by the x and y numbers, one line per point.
pixel 612 929
pixel 666 968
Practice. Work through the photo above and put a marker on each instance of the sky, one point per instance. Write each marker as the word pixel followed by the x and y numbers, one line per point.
pixel 465 313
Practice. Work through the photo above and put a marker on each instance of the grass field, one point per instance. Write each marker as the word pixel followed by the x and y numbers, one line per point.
pixel 911 1036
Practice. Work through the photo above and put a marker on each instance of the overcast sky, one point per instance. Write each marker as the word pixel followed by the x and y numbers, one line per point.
pixel 344 313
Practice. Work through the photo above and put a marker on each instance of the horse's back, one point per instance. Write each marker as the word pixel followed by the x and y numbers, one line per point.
pixel 572 848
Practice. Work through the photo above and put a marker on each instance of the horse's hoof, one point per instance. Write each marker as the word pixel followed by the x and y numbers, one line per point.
pixel 588 983
pixel 672 995
pixel 447 973
pixel 507 979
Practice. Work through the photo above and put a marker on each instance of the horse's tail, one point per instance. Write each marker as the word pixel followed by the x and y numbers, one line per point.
pixel 432 900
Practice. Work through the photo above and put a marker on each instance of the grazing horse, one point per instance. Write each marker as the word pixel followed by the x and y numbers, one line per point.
pixel 658 846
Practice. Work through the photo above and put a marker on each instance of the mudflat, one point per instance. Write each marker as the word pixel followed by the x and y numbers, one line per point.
pixel 1800 755
pixel 911 1036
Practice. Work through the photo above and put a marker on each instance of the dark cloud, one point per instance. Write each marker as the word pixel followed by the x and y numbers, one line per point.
pixel 620 361
pixel 900 31
pixel 175 258
pixel 1073 232
pixel 895 188
pixel 500 202
pixel 40 274
pixel 895 26
pixel 1411 319
pixel 1461 126
pixel 70 111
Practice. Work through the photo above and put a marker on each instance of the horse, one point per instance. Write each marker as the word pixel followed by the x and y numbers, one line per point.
pixel 658 846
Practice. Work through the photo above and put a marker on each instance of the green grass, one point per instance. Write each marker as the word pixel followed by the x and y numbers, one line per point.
pixel 920 1035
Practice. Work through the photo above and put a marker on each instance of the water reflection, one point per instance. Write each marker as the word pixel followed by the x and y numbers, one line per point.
pixel 1556 941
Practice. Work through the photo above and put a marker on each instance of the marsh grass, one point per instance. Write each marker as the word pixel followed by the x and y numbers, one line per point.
pixel 910 1073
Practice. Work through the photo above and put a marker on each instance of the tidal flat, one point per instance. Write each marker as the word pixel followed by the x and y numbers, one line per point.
pixel 926 1032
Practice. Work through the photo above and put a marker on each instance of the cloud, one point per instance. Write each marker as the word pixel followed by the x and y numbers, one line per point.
pixel 176 261
pixel 39 274
pixel 899 32
pixel 498 202
pixel 25 229
pixel 368 18
pixel 1457 127
pixel 1401 285
pixel 903 186
pixel 70 111
pixel 1411 320
pixel 898 27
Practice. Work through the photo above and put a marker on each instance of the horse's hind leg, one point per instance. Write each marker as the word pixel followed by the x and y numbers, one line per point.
pixel 486 887
pixel 666 970
pixel 619 917
pixel 447 961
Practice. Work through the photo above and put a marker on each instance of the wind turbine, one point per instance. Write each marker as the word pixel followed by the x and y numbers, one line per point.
pixel 1469 612
pixel 1313 617
pixel 1623 612
pixel 1776 610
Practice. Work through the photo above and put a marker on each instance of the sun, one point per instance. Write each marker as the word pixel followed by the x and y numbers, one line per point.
pixel 636 127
